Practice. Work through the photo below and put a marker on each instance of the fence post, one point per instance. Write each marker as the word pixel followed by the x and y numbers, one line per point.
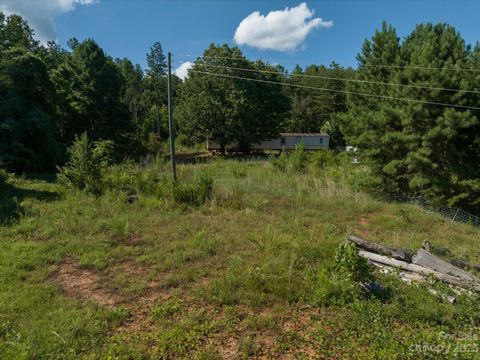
pixel 455 216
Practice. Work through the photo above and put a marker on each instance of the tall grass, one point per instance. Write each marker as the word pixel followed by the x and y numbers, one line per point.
pixel 233 242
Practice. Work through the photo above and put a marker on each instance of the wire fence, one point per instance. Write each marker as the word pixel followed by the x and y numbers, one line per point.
pixel 453 214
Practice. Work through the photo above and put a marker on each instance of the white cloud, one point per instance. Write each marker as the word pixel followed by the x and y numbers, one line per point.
pixel 182 70
pixel 40 13
pixel 281 30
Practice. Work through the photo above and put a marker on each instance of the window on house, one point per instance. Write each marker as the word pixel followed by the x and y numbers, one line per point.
pixel 320 141
pixel 282 141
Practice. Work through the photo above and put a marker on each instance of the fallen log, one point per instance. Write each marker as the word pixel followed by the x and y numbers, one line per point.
pixel 399 254
pixel 402 265
pixel 465 265
pixel 428 260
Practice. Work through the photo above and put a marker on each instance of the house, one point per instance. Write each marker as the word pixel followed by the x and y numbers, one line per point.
pixel 285 141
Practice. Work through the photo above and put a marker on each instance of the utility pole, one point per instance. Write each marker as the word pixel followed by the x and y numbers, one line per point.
pixel 171 128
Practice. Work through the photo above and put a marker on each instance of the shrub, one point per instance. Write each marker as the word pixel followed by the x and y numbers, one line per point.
pixel 296 161
pixel 333 290
pixel 281 163
pixel 87 161
pixel 193 193
pixel 134 179
pixel 299 159
pixel 326 158
pixel 351 266
pixel 341 283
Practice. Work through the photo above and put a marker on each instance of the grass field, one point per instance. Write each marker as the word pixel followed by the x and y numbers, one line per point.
pixel 245 273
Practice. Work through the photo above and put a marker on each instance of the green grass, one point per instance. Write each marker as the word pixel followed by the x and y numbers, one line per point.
pixel 241 273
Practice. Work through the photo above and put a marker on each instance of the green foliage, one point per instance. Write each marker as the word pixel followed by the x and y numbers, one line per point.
pixel 16 33
pixel 270 261
pixel 296 161
pixel 299 159
pixel 193 193
pixel 226 110
pixel 415 147
pixel 156 61
pixel 341 283
pixel 89 85
pixel 281 163
pixel 313 111
pixel 328 158
pixel 133 179
pixel 351 266
pixel 166 309
pixel 86 164
pixel 27 130
pixel 331 290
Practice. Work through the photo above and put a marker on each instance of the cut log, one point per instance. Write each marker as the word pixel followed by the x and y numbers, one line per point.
pixel 465 265
pixel 399 254
pixel 402 265
pixel 428 260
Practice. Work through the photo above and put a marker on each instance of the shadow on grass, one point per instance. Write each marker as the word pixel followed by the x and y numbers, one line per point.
pixel 12 196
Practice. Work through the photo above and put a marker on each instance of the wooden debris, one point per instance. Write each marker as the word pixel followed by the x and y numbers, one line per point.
pixel 418 267
pixel 428 260
pixel 402 265
pixel 399 254
pixel 426 245
pixel 465 265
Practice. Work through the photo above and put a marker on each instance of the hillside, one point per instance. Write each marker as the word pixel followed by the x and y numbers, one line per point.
pixel 245 273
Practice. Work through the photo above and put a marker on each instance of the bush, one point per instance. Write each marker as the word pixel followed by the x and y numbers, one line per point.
pixel 87 161
pixel 194 193
pixel 299 159
pixel 351 266
pixel 296 161
pixel 281 163
pixel 326 158
pixel 341 284
pixel 134 179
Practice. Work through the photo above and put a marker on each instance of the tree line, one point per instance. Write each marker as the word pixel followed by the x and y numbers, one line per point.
pixel 49 96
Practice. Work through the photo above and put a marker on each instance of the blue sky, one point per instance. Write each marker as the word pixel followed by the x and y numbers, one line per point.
pixel 127 28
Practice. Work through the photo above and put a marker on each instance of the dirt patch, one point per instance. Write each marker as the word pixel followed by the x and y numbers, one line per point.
pixel 132 240
pixel 82 284
pixel 229 348
pixel 365 225
pixel 364 221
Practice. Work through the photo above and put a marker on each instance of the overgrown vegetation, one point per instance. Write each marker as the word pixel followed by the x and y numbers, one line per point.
pixel 51 95
pixel 87 162
pixel 259 264
pixel 418 147
pixel 109 258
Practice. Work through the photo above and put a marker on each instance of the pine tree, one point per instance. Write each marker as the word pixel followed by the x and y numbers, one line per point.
pixel 90 86
pixel 413 146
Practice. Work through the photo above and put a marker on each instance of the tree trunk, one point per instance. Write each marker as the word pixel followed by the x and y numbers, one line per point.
pixel 399 254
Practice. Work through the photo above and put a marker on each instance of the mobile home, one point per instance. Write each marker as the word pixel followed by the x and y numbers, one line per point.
pixel 285 141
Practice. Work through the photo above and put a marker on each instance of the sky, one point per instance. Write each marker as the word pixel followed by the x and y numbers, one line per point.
pixel 283 32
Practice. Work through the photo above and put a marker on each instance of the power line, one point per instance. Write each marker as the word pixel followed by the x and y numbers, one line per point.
pixel 344 79
pixel 420 67
pixel 340 91
pixel 313 62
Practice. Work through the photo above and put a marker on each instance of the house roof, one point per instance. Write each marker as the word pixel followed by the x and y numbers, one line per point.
pixel 302 134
